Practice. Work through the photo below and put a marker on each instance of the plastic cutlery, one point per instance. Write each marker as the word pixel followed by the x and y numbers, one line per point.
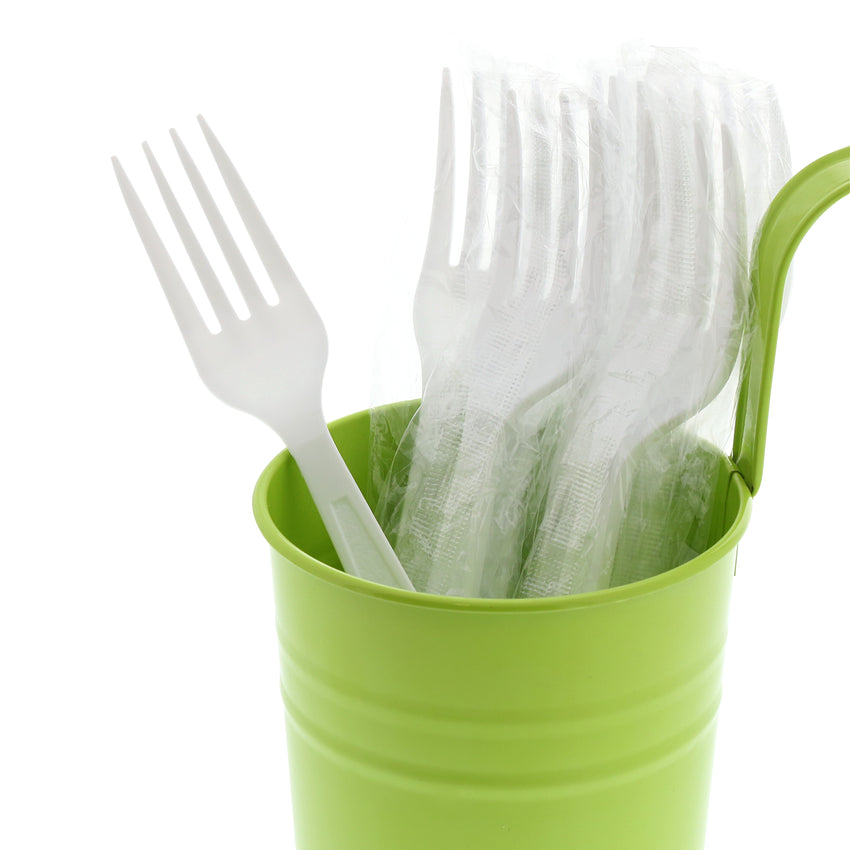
pixel 270 365
pixel 530 326
pixel 677 348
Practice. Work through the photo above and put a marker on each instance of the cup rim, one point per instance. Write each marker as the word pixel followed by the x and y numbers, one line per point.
pixel 327 573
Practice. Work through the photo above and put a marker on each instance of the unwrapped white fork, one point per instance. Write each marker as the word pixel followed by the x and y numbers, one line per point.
pixel 270 365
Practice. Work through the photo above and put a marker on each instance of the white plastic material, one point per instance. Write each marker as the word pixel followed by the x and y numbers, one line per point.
pixel 585 344
pixel 271 365
pixel 503 329
pixel 677 345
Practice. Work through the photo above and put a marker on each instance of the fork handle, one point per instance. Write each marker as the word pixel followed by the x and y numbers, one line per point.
pixel 361 544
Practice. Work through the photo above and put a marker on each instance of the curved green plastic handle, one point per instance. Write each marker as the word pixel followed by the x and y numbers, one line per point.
pixel 793 211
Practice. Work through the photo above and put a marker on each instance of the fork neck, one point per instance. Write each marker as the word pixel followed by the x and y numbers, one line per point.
pixel 300 424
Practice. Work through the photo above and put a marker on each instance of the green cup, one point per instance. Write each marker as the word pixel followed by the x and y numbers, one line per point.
pixel 587 722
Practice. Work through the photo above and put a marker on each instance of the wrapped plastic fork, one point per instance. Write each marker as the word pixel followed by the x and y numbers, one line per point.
pixel 678 348
pixel 533 320
pixel 586 342
pixel 668 517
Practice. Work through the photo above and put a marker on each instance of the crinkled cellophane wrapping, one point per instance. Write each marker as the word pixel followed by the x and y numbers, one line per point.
pixel 580 348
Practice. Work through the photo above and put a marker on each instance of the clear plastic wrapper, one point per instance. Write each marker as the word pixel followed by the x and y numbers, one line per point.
pixel 583 348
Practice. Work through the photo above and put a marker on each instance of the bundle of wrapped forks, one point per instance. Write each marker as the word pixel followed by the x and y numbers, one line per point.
pixel 585 342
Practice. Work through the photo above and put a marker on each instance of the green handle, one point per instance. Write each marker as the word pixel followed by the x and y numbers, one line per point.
pixel 794 210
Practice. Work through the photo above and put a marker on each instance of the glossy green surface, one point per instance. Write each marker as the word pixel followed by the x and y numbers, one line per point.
pixel 803 199
pixel 587 722
pixel 414 721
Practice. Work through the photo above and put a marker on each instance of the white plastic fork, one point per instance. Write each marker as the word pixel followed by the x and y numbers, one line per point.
pixel 674 353
pixel 530 327
pixel 270 365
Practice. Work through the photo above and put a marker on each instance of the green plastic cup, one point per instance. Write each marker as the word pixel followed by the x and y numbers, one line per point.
pixel 586 722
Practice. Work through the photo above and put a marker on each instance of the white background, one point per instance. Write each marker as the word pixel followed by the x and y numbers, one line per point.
pixel 138 671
